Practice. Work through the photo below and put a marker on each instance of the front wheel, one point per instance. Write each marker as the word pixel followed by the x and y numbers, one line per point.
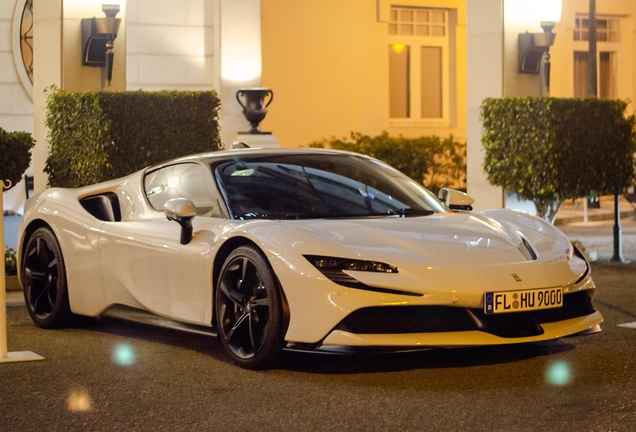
pixel 249 310
pixel 44 281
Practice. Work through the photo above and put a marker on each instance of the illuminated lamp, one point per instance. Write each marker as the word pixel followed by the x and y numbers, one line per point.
pixel 98 35
pixel 534 47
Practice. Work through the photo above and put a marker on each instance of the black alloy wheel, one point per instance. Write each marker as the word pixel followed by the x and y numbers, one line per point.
pixel 44 281
pixel 248 309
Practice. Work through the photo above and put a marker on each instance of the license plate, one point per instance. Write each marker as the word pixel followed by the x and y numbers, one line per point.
pixel 521 301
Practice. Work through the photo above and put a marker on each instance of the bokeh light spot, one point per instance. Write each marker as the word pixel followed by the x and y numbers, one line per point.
pixel 124 354
pixel 559 373
pixel 79 400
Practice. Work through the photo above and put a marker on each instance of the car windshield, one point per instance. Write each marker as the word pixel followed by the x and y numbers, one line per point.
pixel 305 186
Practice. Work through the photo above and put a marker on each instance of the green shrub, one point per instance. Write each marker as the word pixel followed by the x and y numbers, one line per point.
pixel 548 150
pixel 15 155
pixel 98 136
pixel 429 160
pixel 10 260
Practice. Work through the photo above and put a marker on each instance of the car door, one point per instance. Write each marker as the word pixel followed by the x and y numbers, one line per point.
pixel 148 265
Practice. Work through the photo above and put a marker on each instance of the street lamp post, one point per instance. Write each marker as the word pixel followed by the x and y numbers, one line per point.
pixel 549 14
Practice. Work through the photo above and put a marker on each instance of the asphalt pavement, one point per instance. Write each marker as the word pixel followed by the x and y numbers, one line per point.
pixel 117 376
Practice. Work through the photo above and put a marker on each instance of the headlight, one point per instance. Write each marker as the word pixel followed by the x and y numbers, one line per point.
pixel 328 264
pixel 334 269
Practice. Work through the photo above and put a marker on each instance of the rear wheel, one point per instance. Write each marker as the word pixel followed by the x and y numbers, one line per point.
pixel 44 281
pixel 248 309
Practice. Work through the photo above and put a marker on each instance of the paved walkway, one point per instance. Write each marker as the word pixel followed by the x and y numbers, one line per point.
pixel 597 238
pixel 572 212
pixel 597 235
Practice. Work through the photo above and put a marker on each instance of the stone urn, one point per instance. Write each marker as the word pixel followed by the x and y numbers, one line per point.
pixel 254 106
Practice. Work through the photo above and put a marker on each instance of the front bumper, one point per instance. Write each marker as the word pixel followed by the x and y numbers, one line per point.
pixel 338 338
pixel 409 328
pixel 449 301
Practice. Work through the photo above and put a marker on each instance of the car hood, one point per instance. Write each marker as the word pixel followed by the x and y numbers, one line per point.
pixel 447 240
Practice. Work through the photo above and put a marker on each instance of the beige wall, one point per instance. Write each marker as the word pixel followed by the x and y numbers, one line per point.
pixel 171 44
pixel 196 45
pixel 562 52
pixel 327 64
pixel 485 79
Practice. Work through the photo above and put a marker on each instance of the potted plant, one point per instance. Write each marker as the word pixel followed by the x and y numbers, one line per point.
pixel 15 157
pixel 15 154
pixel 11 269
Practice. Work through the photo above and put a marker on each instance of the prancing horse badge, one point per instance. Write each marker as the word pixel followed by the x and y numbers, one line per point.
pixel 516 277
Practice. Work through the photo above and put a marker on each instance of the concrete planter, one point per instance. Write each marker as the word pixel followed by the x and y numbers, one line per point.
pixel 13 283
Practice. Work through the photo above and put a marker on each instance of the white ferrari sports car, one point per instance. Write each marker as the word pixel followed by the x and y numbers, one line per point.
pixel 312 250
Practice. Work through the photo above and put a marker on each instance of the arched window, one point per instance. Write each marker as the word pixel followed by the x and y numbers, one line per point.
pixel 23 43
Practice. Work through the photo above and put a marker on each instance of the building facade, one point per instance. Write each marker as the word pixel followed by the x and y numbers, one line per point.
pixel 365 66
pixel 409 67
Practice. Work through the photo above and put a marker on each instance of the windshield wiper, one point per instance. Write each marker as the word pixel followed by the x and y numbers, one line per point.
pixel 406 212
pixel 410 212
pixel 274 216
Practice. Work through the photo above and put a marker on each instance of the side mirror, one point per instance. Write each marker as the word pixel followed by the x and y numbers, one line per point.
pixel 239 145
pixel 182 211
pixel 456 200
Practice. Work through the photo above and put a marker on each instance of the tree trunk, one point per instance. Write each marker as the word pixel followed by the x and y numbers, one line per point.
pixel 547 208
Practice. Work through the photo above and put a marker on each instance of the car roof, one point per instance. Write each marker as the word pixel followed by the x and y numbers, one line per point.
pixel 221 155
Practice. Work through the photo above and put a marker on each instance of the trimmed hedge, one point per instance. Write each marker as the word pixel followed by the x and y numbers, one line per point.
pixel 429 160
pixel 15 155
pixel 98 136
pixel 548 150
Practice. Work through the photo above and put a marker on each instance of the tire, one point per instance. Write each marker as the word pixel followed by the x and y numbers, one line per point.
pixel 248 310
pixel 44 281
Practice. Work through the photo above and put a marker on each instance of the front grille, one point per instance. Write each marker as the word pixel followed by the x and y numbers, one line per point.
pixel 575 305
pixel 434 319
pixel 407 319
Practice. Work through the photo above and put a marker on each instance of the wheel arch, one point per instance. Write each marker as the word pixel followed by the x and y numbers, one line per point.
pixel 33 226
pixel 60 314
pixel 224 251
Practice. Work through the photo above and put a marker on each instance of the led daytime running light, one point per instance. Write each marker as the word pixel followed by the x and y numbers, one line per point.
pixel 323 263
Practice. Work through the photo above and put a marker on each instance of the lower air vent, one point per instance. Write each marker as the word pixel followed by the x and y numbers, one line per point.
pixel 429 319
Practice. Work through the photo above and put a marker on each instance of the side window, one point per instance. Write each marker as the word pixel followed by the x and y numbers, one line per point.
pixel 186 180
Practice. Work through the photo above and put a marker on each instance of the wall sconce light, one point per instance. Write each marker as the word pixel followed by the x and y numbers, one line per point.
pixel 98 35
pixel 534 47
